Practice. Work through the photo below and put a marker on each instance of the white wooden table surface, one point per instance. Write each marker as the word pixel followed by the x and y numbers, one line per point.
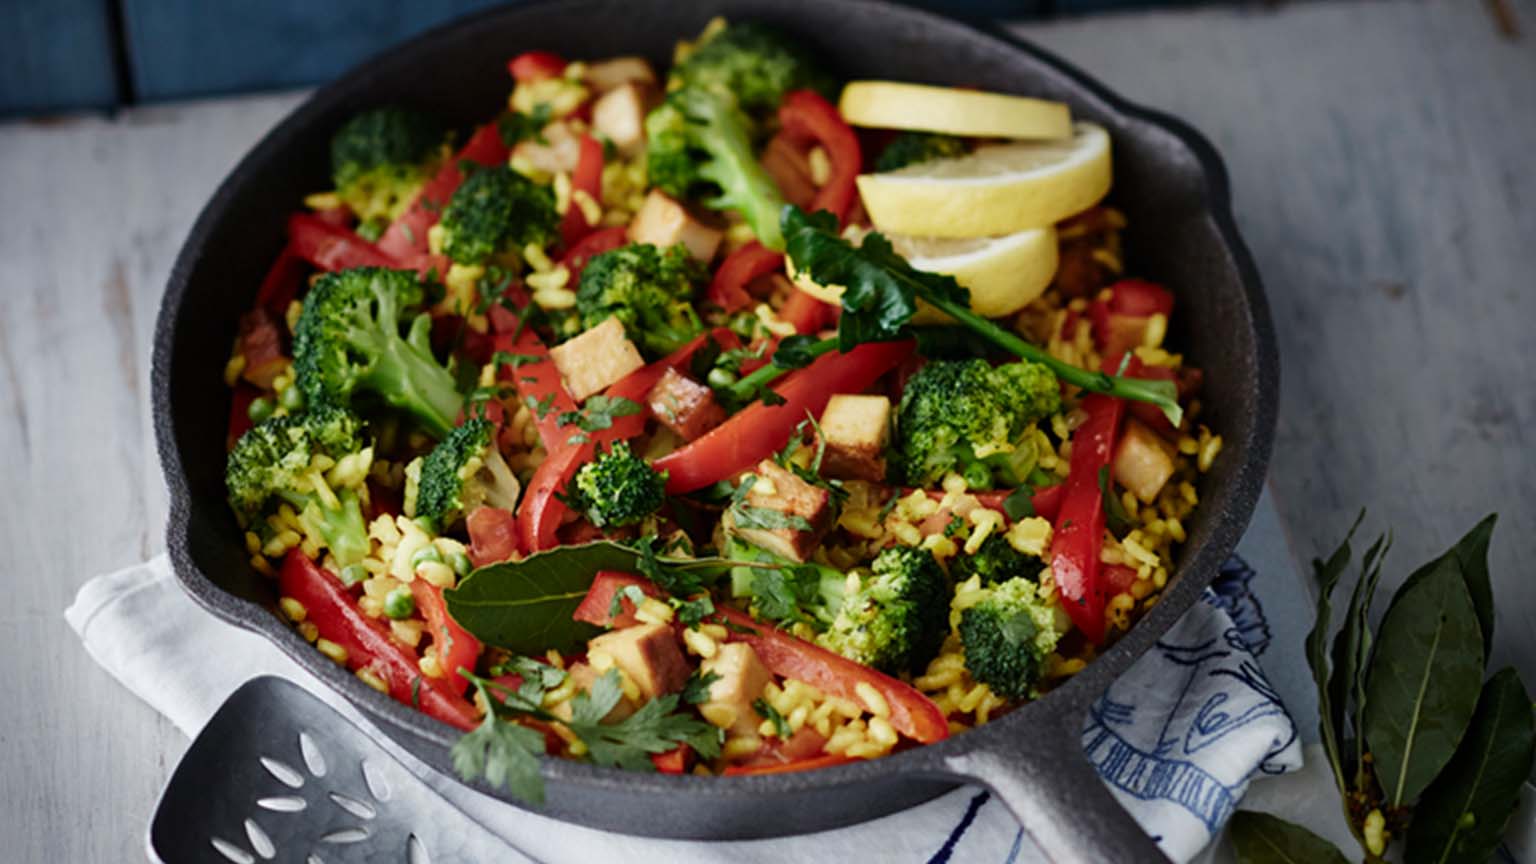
pixel 1381 155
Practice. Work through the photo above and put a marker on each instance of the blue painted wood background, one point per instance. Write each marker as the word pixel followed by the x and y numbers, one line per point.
pixel 65 55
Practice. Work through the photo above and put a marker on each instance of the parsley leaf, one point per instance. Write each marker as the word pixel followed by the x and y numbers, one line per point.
pixel 516 126
pixel 795 352
pixel 599 413
pixel 772 715
pixel 693 612
pixel 632 593
pixel 696 688
pixel 1020 503
pixel 1115 517
pixel 655 727
pixel 504 753
pixel 509 358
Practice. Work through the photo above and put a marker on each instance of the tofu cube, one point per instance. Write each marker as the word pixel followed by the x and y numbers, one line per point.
pixel 684 405
pixel 591 362
pixel 855 429
pixel 741 682
pixel 620 114
pixel 559 150
pixel 583 677
pixel 783 492
pixel 648 654
pixel 605 75
pixel 1143 461
pixel 665 222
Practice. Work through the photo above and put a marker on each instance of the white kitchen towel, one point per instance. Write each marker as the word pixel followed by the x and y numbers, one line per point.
pixel 1177 738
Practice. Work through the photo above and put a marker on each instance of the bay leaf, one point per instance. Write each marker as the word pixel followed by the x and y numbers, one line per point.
pixel 1351 653
pixel 1471 553
pixel 1423 681
pixel 1463 813
pixel 1327 575
pixel 525 606
pixel 1259 838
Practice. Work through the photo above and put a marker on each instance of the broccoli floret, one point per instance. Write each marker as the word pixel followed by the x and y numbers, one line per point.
pixel 995 561
pixel 348 341
pixel 650 291
pixel 970 417
pixel 699 145
pixel 910 148
pixel 898 618
pixel 784 591
pixel 381 158
pixel 464 471
pixel 755 62
pixel 1007 637
pixel 285 459
pixel 619 488
pixel 496 212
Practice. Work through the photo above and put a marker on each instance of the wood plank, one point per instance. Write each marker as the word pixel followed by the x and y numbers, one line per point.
pixel 89 251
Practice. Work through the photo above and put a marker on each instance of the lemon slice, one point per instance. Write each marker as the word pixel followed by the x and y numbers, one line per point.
pixel 1003 274
pixel 920 107
pixel 998 189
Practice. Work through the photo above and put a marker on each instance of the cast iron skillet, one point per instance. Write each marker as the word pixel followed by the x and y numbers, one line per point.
pixel 1169 182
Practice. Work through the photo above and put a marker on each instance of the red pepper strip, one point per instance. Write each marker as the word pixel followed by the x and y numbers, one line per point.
pixel 333 248
pixel 806 313
pixel 912 714
pixel 1079 533
pixel 810 119
pixel 1120 323
pixel 535 66
pixel 406 237
pixel 755 432
pixel 367 641
pixel 803 744
pixel 728 289
pixel 590 246
pixel 282 283
pixel 340 216
pixel 240 399
pixel 452 645
pixel 597 607
pixel 809 764
pixel 588 178
pixel 1139 298
pixel 1117 579
pixel 1046 500
pixel 674 761
pixel 541 512
pixel 492 535
pixel 538 381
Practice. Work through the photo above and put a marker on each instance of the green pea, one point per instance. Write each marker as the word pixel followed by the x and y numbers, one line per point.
pixel 721 378
pixel 353 574
pixel 977 476
pixel 399 604
pixel 461 564
pixel 425 554
pixel 292 399
pixel 260 409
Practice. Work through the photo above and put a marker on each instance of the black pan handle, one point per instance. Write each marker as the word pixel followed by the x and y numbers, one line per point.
pixel 1044 779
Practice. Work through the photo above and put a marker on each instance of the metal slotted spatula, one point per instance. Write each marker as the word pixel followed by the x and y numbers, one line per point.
pixel 277 775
